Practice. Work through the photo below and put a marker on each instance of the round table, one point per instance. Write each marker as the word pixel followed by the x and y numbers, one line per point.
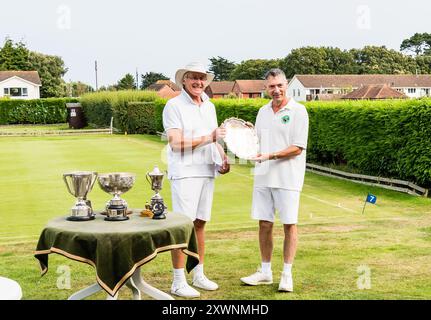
pixel 9 289
pixel 118 249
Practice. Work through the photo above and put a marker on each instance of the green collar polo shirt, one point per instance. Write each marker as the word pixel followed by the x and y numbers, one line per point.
pixel 287 127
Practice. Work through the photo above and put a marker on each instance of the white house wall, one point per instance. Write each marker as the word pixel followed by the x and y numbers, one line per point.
pixel 420 92
pixel 32 89
pixel 295 86
pixel 296 90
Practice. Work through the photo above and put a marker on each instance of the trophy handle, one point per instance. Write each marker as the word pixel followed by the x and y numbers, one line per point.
pixel 67 184
pixel 93 180
pixel 147 177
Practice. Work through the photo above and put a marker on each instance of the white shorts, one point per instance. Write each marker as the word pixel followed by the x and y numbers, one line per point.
pixel 267 200
pixel 193 197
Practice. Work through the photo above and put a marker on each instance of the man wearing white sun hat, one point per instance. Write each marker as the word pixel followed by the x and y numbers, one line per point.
pixel 194 157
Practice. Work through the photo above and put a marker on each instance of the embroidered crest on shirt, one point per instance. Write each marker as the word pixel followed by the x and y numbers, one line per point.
pixel 285 119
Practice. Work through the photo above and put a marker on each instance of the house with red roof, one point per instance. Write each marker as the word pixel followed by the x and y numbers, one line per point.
pixel 220 89
pixel 20 84
pixel 244 89
pixel 165 89
pixel 374 92
pixel 311 87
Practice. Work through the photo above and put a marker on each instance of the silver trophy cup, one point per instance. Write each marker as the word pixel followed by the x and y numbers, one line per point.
pixel 79 184
pixel 157 206
pixel 116 183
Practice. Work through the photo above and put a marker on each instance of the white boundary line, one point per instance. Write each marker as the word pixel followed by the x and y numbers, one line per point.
pixel 339 206
pixel 329 203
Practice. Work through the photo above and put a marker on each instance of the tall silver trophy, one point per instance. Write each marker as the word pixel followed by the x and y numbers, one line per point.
pixel 157 206
pixel 116 183
pixel 79 184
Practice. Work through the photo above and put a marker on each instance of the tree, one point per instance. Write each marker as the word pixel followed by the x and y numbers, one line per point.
pixel 253 69
pixel 340 61
pixel 380 60
pixel 222 68
pixel 419 44
pixel 318 60
pixel 306 60
pixel 423 63
pixel 14 56
pixel 149 78
pixel 77 89
pixel 111 87
pixel 126 83
pixel 51 69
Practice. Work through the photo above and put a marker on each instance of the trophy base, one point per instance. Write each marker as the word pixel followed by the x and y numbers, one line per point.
pixel 83 218
pixel 118 218
pixel 159 217
pixel 104 213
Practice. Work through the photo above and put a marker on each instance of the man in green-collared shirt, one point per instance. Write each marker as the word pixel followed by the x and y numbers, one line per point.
pixel 282 128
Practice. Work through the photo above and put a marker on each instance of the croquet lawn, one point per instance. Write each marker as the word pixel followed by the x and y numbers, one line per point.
pixel 342 253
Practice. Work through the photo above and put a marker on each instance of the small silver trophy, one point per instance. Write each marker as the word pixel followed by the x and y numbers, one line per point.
pixel 116 183
pixel 79 184
pixel 157 207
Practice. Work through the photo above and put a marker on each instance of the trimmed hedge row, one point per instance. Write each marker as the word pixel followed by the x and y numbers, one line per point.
pixel 245 109
pixel 132 109
pixel 38 111
pixel 390 138
pixel 99 107
pixel 145 117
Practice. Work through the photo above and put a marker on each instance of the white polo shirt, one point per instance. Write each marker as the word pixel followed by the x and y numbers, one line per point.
pixel 289 126
pixel 195 121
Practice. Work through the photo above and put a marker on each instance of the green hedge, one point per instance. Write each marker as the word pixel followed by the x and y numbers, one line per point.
pixel 390 138
pixel 145 117
pixel 100 106
pixel 38 111
pixel 245 109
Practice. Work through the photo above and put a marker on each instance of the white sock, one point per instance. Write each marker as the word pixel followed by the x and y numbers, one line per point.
pixel 179 275
pixel 287 268
pixel 198 271
pixel 266 267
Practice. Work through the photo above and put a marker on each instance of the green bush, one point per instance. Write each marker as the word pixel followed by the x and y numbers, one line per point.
pixel 144 117
pixel 245 109
pixel 37 111
pixel 100 106
pixel 389 138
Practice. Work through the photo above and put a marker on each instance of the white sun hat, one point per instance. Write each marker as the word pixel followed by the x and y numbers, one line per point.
pixel 192 67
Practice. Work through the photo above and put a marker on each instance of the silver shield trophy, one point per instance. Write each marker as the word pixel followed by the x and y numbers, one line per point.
pixel 79 184
pixel 157 206
pixel 116 183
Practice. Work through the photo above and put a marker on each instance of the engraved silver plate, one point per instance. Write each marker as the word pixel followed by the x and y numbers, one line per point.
pixel 241 138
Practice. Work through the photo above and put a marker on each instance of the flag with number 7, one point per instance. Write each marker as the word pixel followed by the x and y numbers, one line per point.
pixel 371 198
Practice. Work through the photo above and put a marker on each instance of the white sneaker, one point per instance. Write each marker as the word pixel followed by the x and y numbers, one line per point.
pixel 258 278
pixel 204 283
pixel 286 282
pixel 182 289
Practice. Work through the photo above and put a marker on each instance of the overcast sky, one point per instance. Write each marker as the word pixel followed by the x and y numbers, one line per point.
pixel 162 36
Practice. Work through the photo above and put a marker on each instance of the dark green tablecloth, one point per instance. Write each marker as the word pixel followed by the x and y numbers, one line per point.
pixel 116 249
